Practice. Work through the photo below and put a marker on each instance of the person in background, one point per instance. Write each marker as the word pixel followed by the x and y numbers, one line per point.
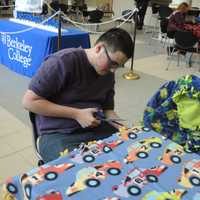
pixel 142 6
pixel 177 18
pixel 69 90
pixel 176 22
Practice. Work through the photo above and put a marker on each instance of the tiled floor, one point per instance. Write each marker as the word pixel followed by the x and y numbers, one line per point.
pixel 16 152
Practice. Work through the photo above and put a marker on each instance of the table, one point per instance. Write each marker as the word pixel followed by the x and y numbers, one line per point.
pixel 24 52
pixel 139 164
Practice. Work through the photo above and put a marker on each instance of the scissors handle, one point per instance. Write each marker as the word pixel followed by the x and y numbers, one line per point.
pixel 99 115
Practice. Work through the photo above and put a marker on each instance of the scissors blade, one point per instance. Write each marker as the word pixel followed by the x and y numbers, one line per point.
pixel 114 119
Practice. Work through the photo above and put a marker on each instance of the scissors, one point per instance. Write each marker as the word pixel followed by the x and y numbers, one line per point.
pixel 100 116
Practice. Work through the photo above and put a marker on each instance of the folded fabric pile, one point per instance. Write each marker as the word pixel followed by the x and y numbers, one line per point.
pixel 174 111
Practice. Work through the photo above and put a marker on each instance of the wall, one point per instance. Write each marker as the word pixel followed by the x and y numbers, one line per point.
pixel 120 5
pixel 196 3
pixel 177 2
pixel 92 4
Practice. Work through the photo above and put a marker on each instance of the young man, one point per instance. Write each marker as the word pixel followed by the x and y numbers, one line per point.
pixel 70 87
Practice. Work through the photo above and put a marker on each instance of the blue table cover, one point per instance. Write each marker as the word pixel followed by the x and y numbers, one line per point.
pixel 139 165
pixel 24 52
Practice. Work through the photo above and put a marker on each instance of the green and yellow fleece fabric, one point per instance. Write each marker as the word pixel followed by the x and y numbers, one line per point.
pixel 174 111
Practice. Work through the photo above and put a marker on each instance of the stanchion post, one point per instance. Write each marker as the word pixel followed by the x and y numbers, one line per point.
pixel 131 75
pixel 59 30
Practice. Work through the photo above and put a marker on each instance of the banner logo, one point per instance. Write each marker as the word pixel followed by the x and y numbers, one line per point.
pixel 18 50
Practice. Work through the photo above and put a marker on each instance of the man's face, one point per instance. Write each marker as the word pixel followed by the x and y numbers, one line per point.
pixel 108 62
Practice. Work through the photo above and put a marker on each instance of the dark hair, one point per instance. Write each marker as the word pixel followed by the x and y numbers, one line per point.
pixel 117 39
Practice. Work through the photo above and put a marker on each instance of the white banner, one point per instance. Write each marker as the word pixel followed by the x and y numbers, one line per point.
pixel 33 6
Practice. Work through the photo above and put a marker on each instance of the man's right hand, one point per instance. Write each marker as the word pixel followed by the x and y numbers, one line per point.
pixel 42 106
pixel 85 117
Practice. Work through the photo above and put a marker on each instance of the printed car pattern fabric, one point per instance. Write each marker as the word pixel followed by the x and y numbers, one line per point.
pixel 135 163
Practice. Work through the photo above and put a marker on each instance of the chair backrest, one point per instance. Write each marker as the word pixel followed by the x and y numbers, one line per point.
pixel 194 11
pixel 163 25
pixel 85 13
pixel 63 7
pixel 170 34
pixel 155 8
pixel 35 134
pixel 185 39
pixel 95 16
pixel 164 11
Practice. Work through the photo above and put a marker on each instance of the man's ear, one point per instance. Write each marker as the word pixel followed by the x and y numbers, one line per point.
pixel 98 47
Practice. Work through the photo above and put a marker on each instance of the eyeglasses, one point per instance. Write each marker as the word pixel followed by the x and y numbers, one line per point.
pixel 112 63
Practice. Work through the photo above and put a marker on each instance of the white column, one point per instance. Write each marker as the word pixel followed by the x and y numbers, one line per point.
pixel 119 6
pixel 177 2
pixel 196 3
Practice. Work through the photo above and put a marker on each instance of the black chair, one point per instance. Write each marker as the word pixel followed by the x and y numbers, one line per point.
pixel 163 25
pixel 63 7
pixel 84 10
pixel 185 42
pixel 164 12
pixel 59 6
pixel 155 8
pixel 85 13
pixel 194 11
pixel 164 32
pixel 163 28
pixel 95 16
pixel 35 135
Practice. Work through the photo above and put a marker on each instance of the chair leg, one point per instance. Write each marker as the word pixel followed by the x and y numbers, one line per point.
pixel 178 58
pixel 199 59
pixel 170 55
pixel 40 163
pixel 190 60
pixel 165 41
pixel 154 31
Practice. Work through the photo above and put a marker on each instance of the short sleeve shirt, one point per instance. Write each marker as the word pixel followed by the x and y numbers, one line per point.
pixel 67 78
pixel 176 21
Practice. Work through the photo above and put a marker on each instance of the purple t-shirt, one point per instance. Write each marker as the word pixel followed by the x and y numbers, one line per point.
pixel 176 21
pixel 67 78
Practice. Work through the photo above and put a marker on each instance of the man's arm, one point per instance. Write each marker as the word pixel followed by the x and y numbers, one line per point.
pixel 42 106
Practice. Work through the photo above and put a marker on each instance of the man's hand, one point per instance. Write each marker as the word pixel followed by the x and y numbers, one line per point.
pixel 85 118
